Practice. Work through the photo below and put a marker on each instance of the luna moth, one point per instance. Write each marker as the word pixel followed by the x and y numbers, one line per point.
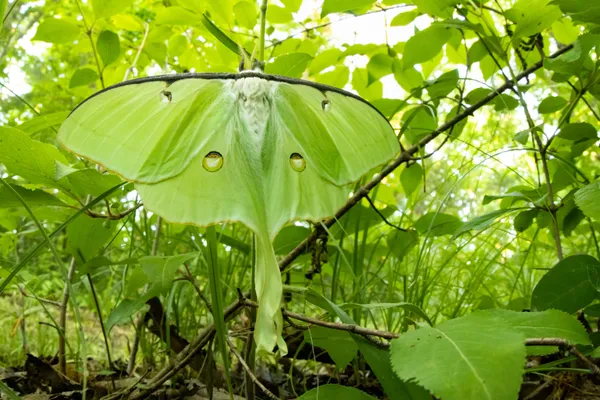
pixel 262 150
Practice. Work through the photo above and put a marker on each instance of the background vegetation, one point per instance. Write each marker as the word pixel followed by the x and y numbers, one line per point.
pixel 493 204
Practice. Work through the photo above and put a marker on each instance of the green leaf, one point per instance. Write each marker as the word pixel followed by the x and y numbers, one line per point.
pixel 337 77
pixel 409 79
pixel 124 311
pixel 437 224
pixel 523 136
pixel 570 285
pixel 436 8
pixel 404 18
pixel 279 15
pixel 44 121
pixel 550 323
pixel 483 221
pixel 532 16
pixel 338 6
pixel 87 236
pixel 82 77
pixel 177 16
pixel 524 219
pixel 578 131
pixel 360 82
pixel 246 14
pixel 418 123
pixel 443 85
pixel 33 198
pixel 401 243
pixel 335 392
pixel 593 310
pixel 339 344
pixel 505 102
pixel 292 64
pixel 107 8
pixel 564 31
pixel 587 199
pixel 325 59
pixel 53 30
pixel 87 181
pixel 411 178
pixel 34 161
pixel 288 238
pixel 389 107
pixel 379 66
pixel 552 104
pixel 162 270
pixel 292 5
pixel 108 47
pixel 424 45
pixel 447 359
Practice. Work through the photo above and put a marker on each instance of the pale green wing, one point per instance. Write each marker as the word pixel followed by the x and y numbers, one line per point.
pixel 343 137
pixel 147 132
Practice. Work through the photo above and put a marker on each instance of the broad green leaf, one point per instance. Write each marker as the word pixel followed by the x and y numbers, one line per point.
pixel 379 66
pixel 532 16
pixel 360 217
pixel 124 311
pixel 44 121
pixel 552 104
pixel 443 85
pixel 86 181
pixel 593 310
pixel 293 65
pixel 436 8
pixel 53 30
pixel 588 200
pixel 505 102
pixel 360 82
pixel 424 45
pixel 402 242
pixel 82 77
pixel 437 224
pixel 570 285
pixel 162 270
pixel 177 16
pixel 409 79
pixel 404 18
pixel 483 221
pixel 108 47
pixel 389 107
pixel 325 59
pixel 33 198
pixel 127 22
pixel 279 15
pixel 177 45
pixel 108 8
pixel 335 392
pixel 411 178
pixel 246 14
pixel 87 236
pixel 564 31
pixel 337 77
pixel 578 131
pixel 447 360
pixel 292 5
pixel 550 323
pixel 338 6
pixel 524 219
pixel 523 136
pixel 288 238
pixel 32 160
pixel 339 344
pixel 417 123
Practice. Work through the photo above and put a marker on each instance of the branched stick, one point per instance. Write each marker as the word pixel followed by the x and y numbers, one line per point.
pixel 407 154
pixel 249 372
pixel 565 345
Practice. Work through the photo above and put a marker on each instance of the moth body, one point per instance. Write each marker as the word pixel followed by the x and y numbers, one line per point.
pixel 254 97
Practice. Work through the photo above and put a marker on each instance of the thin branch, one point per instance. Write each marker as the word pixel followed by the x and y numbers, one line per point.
pixel 113 217
pixel 407 154
pixel 249 372
pixel 566 345
pixel 383 216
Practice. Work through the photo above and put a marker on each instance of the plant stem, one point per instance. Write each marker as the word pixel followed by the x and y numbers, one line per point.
pixel 62 320
pixel 261 37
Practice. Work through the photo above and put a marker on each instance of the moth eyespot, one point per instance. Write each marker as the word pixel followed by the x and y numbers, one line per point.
pixel 326 105
pixel 166 96
pixel 297 162
pixel 213 161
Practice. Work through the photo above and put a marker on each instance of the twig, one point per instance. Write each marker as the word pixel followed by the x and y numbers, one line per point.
pixel 249 372
pixel 565 345
pixel 113 217
pixel 383 216
pixel 188 276
pixel 137 56
pixel 62 320
pixel 51 302
pixel 406 156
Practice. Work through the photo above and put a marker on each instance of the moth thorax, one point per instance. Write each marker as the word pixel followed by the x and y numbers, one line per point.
pixel 254 98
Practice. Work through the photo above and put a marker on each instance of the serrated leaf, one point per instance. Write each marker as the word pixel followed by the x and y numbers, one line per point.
pixel 292 64
pixel 570 285
pixel 335 392
pixel 33 198
pixel 82 77
pixel 587 199
pixel 437 224
pixel 108 47
pixel 447 360
pixel 53 30
pixel 339 344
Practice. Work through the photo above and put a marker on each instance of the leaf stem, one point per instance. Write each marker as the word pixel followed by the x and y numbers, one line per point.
pixel 261 37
